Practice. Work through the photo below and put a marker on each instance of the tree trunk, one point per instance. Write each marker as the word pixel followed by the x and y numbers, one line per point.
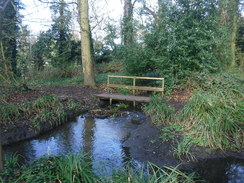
pixel 1 153
pixel 127 31
pixel 87 61
pixel 228 19
pixel 234 9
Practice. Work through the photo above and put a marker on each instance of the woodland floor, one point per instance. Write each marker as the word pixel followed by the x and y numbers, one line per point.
pixel 82 95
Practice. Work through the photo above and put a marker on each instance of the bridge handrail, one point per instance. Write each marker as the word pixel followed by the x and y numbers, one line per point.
pixel 134 87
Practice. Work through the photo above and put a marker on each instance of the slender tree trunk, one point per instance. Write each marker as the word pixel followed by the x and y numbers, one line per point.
pixel 1 153
pixel 127 31
pixel 6 64
pixel 228 19
pixel 87 61
pixel 234 9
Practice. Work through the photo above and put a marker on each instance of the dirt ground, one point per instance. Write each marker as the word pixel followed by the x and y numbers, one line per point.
pixel 82 95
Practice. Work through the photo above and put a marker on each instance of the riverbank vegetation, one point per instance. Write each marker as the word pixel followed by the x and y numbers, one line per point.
pixel 211 118
pixel 78 168
pixel 21 120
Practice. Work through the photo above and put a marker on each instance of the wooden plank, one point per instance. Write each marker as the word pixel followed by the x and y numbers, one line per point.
pixel 123 97
pixel 131 77
pixel 147 88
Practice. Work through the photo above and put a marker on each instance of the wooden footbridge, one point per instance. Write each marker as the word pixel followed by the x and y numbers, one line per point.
pixel 132 87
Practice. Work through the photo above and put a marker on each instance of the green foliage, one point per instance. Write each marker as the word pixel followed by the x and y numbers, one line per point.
pixel 229 83
pixel 73 106
pixel 12 161
pixel 44 109
pixel 213 117
pixel 9 29
pixel 57 81
pixel 41 50
pixel 9 113
pixel 161 113
pixel 53 77
pixel 170 132
pixel 183 148
pixel 76 168
pixel 54 169
pixel 206 117
pixel 55 46
pixel 157 174
pixel 186 39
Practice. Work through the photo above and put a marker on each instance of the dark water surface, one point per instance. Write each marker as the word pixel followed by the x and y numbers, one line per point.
pixel 222 170
pixel 103 140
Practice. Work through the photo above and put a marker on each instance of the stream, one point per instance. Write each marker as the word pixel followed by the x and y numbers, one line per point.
pixel 103 140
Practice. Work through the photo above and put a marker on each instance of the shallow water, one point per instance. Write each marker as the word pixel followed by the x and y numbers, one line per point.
pixel 223 170
pixel 103 140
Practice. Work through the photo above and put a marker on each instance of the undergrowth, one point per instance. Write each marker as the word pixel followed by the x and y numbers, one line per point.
pixel 44 109
pixel 213 116
pixel 161 113
pixel 77 168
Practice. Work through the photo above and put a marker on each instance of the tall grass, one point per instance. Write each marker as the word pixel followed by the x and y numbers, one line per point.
pixel 9 113
pixel 161 113
pixel 76 169
pixel 214 114
pixel 215 119
pixel 44 109
pixel 150 174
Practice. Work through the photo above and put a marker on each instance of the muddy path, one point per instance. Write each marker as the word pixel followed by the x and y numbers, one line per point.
pixel 82 95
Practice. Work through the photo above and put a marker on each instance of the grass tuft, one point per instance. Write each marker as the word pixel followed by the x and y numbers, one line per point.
pixel 216 119
pixel 44 109
pixel 77 168
pixel 151 174
pixel 161 113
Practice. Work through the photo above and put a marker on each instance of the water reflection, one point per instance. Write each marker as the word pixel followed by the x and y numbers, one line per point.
pixel 225 170
pixel 88 136
pixel 101 138
pixel 235 173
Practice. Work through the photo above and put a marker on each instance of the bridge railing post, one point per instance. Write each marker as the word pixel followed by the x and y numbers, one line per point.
pixel 134 84
pixel 108 81
pixel 163 87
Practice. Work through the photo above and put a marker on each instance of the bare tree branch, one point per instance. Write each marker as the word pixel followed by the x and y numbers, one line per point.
pixel 53 2
pixel 2 8
pixel 151 12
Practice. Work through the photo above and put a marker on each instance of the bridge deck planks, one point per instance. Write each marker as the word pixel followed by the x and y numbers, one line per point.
pixel 123 97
